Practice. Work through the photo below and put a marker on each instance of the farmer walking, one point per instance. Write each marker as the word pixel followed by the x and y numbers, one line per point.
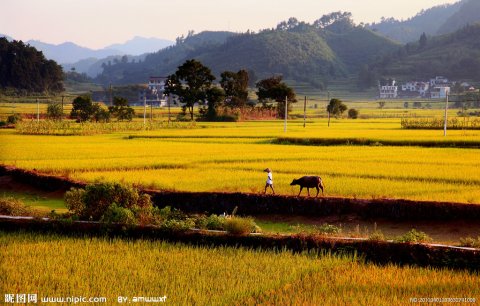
pixel 269 180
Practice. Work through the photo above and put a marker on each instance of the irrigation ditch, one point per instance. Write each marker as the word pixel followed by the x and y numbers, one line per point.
pixel 379 252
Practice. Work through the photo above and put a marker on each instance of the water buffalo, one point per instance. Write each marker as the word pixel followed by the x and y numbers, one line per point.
pixel 309 182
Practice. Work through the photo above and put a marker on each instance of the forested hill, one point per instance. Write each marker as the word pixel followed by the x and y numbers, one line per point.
pixel 442 19
pixel 331 47
pixel 455 55
pixel 24 69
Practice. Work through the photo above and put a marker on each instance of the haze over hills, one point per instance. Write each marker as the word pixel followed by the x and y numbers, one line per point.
pixel 332 48
pixel 441 19
pixel 68 52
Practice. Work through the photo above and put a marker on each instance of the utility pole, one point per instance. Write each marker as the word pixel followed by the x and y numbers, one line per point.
pixel 328 102
pixel 304 112
pixel 145 109
pixel 286 114
pixel 168 101
pixel 61 118
pixel 446 119
pixel 38 111
pixel 151 112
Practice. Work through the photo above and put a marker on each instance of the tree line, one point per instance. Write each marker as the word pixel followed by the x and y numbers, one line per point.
pixel 24 70
pixel 193 83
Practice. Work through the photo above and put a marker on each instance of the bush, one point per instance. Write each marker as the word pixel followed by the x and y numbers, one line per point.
pixel 13 119
pixel 352 113
pixel 117 214
pixel 74 200
pixel 240 226
pixel 94 201
pixel 54 111
pixel 212 222
pixel 414 236
pixel 377 235
pixel 178 225
pixel 328 229
pixel 470 242
pixel 12 207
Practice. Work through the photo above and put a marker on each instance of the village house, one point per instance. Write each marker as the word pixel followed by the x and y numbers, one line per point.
pixel 388 89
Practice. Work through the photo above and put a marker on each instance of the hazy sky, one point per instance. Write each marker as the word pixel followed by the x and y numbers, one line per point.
pixel 98 23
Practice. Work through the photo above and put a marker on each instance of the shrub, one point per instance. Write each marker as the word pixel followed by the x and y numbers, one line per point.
pixel 352 113
pixel 117 214
pixel 178 225
pixel 13 207
pixel 212 222
pixel 240 226
pixel 74 200
pixel 414 236
pixel 13 119
pixel 54 111
pixel 470 242
pixel 328 229
pixel 377 235
pixel 94 201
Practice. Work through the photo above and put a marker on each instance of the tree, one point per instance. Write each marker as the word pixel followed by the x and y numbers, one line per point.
pixel 82 108
pixel 190 83
pixel 121 110
pixel 235 86
pixel 273 89
pixel 54 111
pixel 215 96
pixel 335 108
pixel 422 41
pixel 381 104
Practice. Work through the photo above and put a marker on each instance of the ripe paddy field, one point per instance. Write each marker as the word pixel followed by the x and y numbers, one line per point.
pixel 230 157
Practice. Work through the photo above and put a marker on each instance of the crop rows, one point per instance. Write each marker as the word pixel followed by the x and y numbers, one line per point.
pixel 212 276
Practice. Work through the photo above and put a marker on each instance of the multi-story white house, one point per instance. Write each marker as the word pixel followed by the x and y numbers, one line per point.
pixel 438 80
pixel 421 88
pixel 154 95
pixel 439 92
pixel 388 89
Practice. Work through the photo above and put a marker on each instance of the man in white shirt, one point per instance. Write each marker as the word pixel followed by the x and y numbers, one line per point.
pixel 269 180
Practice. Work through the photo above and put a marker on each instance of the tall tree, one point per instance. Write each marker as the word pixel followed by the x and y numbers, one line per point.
pixel 273 89
pixel 422 41
pixel 335 108
pixel 190 83
pixel 83 108
pixel 235 86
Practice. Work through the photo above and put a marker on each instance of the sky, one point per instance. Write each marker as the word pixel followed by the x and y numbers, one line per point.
pixel 99 23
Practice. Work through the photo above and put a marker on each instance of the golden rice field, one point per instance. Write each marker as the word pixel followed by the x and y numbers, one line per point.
pixel 231 156
pixel 57 266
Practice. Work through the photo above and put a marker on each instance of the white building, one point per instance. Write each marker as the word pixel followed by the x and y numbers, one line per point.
pixel 438 80
pixel 388 90
pixel 154 92
pixel 421 88
pixel 439 92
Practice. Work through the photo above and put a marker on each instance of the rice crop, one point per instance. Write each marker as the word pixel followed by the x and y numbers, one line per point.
pixel 50 265
pixel 231 157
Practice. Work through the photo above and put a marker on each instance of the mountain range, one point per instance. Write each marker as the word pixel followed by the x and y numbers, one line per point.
pixel 70 53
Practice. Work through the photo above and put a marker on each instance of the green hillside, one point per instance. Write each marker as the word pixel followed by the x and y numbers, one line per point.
pixel 333 47
pixel 456 56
